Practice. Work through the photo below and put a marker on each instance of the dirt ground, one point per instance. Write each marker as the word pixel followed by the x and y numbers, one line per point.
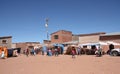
pixel 63 64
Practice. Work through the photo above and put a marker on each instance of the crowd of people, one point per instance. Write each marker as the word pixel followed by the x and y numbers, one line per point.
pixel 44 51
pixel 55 51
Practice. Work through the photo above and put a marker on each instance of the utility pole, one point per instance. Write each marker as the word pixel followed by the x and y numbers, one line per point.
pixel 46 26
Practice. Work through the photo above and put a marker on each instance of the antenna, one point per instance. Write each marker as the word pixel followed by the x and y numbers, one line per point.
pixel 46 25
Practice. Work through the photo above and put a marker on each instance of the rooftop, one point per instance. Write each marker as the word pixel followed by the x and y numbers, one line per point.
pixel 109 34
pixel 59 31
pixel 5 37
pixel 98 33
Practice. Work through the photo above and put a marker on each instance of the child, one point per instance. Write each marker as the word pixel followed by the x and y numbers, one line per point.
pixel 73 52
pixel 56 52
pixel 3 54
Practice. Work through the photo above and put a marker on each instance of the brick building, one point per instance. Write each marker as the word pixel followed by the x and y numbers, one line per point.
pixel 6 41
pixel 61 36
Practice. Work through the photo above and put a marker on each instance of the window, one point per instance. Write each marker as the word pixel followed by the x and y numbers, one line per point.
pixel 4 41
pixel 55 36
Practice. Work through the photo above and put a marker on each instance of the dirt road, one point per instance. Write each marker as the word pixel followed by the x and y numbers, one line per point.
pixel 63 64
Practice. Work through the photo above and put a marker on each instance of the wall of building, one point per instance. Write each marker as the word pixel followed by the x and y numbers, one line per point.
pixel 63 36
pixel 8 42
pixel 25 45
pixel 109 37
pixel 46 41
pixel 75 38
pixel 87 39
pixel 13 45
pixel 66 36
pixel 112 38
pixel 53 40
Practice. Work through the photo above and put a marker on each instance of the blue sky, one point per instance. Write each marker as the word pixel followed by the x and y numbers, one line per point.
pixel 25 19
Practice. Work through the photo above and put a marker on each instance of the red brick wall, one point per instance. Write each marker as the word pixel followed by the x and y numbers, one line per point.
pixel 63 36
pixel 112 37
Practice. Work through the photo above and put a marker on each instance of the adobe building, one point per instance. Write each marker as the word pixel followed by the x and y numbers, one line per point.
pixel 46 41
pixel 6 41
pixel 115 37
pixel 61 36
pixel 90 38
pixel 25 45
pixel 75 37
pixel 111 37
pixel 108 38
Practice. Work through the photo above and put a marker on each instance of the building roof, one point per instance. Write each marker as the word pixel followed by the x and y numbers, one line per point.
pixel 5 37
pixel 109 34
pixel 59 31
pixel 28 42
pixel 33 42
pixel 98 33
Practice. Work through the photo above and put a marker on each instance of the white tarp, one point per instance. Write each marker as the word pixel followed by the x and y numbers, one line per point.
pixel 102 43
pixel 111 42
pixel 97 43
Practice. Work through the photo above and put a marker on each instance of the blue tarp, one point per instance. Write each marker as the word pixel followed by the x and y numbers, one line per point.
pixel 60 45
pixel 44 49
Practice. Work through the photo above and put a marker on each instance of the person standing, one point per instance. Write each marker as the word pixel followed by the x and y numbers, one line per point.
pixel 3 54
pixel 27 52
pixel 98 52
pixel 33 52
pixel 49 52
pixel 56 52
pixel 79 51
pixel 73 52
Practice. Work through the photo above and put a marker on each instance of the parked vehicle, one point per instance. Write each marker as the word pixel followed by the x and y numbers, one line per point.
pixel 115 52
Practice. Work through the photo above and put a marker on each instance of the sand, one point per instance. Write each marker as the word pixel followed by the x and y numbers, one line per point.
pixel 63 64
